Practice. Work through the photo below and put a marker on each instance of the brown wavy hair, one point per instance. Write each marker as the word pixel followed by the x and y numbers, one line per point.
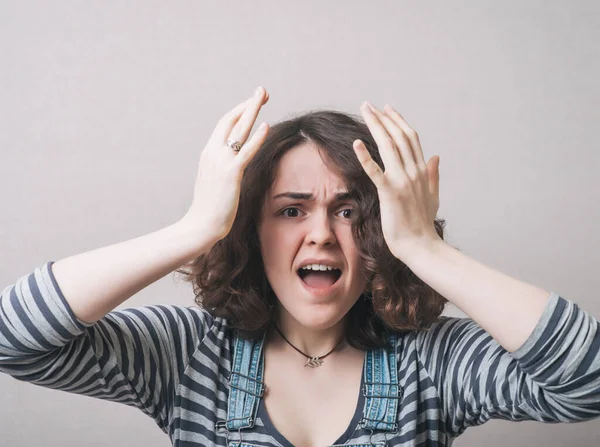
pixel 229 281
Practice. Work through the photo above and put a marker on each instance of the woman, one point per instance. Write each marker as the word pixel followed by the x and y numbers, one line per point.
pixel 322 273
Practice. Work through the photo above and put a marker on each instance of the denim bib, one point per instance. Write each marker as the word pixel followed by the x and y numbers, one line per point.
pixel 246 387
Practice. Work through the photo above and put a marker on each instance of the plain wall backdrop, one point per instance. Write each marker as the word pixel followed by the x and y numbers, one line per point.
pixel 106 105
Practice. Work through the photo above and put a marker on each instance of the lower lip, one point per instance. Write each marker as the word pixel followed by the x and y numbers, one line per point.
pixel 321 291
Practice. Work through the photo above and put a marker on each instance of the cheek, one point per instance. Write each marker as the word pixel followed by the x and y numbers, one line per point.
pixel 349 248
pixel 353 258
pixel 276 247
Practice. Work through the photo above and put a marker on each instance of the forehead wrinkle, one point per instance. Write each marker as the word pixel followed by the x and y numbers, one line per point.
pixel 301 176
pixel 297 188
pixel 309 197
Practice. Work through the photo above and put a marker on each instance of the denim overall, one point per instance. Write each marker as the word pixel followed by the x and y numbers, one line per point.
pixel 381 390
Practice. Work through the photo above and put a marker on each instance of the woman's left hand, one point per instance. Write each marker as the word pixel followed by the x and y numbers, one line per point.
pixel 408 190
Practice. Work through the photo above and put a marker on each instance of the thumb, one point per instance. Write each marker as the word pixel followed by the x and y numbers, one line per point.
pixel 370 167
pixel 433 171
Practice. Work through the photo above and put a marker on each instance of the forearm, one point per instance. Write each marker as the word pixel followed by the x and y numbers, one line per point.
pixel 97 281
pixel 506 308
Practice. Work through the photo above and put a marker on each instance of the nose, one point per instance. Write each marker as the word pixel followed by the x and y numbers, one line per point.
pixel 320 230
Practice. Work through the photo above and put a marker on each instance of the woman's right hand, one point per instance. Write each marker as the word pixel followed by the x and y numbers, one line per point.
pixel 217 189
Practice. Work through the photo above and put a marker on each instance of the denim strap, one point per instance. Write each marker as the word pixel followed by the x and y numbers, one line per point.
pixel 245 383
pixel 381 388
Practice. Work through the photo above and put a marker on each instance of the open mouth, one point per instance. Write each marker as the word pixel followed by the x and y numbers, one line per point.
pixel 319 278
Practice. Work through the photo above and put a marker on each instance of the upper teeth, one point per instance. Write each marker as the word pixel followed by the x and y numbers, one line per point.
pixel 317 267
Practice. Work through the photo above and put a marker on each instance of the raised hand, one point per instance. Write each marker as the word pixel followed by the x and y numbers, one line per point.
pixel 408 190
pixel 220 170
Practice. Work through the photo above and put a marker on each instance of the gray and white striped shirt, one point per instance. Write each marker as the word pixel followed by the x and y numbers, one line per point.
pixel 172 363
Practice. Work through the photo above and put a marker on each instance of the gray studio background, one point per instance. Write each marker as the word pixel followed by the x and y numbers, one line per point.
pixel 106 105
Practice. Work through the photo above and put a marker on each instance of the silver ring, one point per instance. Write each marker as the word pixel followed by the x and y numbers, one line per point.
pixel 235 145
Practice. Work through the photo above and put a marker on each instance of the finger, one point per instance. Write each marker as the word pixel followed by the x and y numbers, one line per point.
pixel 252 146
pixel 242 128
pixel 401 140
pixel 229 120
pixel 412 135
pixel 369 165
pixel 387 150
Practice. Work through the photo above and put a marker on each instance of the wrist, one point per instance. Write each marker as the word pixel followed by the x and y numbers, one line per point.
pixel 416 250
pixel 200 237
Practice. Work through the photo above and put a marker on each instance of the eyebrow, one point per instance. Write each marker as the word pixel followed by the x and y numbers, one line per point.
pixel 308 196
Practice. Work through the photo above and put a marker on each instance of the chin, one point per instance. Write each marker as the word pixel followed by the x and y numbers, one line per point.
pixel 318 319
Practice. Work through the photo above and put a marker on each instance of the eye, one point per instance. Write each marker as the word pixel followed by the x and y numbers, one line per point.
pixel 284 211
pixel 350 210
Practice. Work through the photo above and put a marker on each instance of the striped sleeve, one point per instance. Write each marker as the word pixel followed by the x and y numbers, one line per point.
pixel 133 356
pixel 553 377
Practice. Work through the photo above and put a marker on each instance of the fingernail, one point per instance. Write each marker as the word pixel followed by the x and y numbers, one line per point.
pixel 258 91
pixel 371 107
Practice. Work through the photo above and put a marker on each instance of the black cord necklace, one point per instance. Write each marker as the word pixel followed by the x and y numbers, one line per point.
pixel 313 362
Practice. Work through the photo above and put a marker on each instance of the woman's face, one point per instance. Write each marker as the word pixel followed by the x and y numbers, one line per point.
pixel 295 230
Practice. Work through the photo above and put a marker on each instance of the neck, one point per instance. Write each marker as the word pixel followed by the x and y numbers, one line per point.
pixel 310 340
